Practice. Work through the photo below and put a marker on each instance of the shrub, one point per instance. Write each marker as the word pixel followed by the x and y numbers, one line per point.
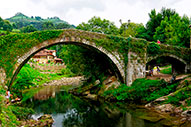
pixel 21 113
pixel 67 71
pixel 142 90
pixel 153 48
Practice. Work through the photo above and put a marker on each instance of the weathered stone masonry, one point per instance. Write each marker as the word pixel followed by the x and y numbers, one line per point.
pixel 135 68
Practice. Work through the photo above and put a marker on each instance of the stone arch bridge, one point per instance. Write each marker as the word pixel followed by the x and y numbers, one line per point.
pixel 129 55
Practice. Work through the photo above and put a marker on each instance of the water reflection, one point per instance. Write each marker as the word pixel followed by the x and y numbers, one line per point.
pixel 46 93
pixel 71 111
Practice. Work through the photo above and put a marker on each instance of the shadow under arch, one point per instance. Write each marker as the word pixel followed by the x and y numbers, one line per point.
pixel 178 64
pixel 114 67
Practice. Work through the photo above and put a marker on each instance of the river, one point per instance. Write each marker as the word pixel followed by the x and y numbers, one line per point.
pixel 68 110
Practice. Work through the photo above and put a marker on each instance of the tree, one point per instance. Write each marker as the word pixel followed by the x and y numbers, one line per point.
pixel 38 18
pixel 156 19
pixel 174 30
pixel 130 29
pixel 96 24
pixel 19 24
pixel 48 25
pixel 1 23
pixel 86 61
pixel 62 26
pixel 7 26
pixel 28 29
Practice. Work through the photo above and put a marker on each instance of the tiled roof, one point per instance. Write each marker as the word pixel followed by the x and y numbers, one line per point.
pixel 45 52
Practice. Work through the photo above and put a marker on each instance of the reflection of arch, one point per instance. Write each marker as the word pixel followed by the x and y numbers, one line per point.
pixel 113 57
pixel 177 63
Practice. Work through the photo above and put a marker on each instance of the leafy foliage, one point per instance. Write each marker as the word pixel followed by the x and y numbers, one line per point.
pixel 142 90
pixel 67 72
pixel 168 27
pixel 83 61
pixel 130 29
pixel 16 45
pixel 153 48
pixel 28 29
pixel 21 113
pixel 180 95
pixel 20 20
pixel 96 24
pixel 5 25
pixel 29 77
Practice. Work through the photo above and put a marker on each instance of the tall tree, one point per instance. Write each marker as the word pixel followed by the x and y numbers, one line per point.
pixel 96 24
pixel 174 30
pixel 156 19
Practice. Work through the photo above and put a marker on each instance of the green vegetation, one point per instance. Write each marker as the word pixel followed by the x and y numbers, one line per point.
pixel 5 25
pixel 153 48
pixel 29 77
pixel 9 114
pixel 166 26
pixel 182 94
pixel 21 113
pixel 142 90
pixel 7 117
pixel 87 62
pixel 17 44
pixel 22 22
pixel 96 24
pixel 28 29
pixel 166 70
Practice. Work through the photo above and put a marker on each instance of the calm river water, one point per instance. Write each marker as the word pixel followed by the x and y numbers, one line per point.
pixel 71 111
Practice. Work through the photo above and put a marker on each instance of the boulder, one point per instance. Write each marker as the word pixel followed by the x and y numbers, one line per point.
pixel 165 108
pixel 186 113
pixel 91 96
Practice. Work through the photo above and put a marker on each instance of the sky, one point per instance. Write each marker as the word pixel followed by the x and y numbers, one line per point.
pixel 78 11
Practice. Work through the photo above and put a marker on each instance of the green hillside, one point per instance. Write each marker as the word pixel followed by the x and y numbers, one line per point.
pixel 20 20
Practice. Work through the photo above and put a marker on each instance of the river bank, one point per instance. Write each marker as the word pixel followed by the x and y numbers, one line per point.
pixel 168 99
pixel 157 96
pixel 69 110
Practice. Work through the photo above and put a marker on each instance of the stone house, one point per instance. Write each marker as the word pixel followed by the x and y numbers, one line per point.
pixel 46 56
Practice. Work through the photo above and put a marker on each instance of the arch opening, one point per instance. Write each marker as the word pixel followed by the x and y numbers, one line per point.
pixel 106 60
pixel 177 65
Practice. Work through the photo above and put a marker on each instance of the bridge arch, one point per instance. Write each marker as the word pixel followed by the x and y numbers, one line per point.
pixel 176 62
pixel 114 57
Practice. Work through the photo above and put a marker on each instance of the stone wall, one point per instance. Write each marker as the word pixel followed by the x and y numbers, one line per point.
pixel 48 67
pixel 135 68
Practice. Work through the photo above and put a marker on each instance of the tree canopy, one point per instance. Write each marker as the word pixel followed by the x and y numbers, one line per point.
pixel 96 24
pixel 168 27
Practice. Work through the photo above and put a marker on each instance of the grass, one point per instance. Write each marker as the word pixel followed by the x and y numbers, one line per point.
pixel 29 77
pixel 166 69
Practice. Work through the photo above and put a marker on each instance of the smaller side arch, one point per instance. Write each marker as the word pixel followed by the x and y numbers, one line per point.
pixel 175 61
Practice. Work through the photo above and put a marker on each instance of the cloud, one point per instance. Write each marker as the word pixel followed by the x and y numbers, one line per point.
pixel 77 11
pixel 62 7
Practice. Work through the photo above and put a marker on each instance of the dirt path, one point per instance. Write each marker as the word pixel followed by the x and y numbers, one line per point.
pixel 166 77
